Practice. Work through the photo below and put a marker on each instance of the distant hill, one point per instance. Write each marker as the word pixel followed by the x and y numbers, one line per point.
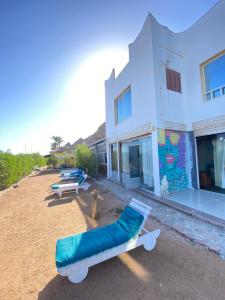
pixel 98 135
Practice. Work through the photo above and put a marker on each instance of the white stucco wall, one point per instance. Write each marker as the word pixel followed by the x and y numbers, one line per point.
pixel 170 105
pixel 138 73
pixel 156 48
pixel 199 43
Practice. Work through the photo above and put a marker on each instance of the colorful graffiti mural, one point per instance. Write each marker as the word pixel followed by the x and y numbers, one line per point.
pixel 173 159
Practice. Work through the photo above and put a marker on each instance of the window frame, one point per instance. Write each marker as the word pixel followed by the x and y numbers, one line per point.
pixel 116 105
pixel 203 79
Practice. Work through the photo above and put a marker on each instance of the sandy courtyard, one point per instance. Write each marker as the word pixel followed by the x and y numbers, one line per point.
pixel 32 220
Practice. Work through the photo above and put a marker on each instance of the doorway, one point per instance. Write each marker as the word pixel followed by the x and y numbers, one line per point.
pixel 136 163
pixel 211 162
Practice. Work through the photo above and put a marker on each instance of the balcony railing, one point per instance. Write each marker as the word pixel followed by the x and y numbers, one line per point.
pixel 220 91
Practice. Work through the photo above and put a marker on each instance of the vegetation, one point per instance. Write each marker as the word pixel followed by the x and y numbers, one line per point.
pixel 61 160
pixel 15 167
pixel 84 158
pixel 57 142
pixel 52 162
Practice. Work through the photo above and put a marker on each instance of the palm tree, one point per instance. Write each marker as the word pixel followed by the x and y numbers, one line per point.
pixel 57 140
pixel 54 147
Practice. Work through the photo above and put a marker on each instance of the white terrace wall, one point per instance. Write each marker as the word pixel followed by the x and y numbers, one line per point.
pixel 170 105
pixel 139 74
pixel 203 40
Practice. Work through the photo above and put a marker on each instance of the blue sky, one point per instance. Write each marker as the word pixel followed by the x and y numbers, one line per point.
pixel 55 56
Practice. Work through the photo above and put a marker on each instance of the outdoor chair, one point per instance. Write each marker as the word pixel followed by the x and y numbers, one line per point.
pixel 75 186
pixel 67 171
pixel 72 175
pixel 77 253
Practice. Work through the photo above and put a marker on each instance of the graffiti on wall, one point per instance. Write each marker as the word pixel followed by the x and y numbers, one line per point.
pixel 173 162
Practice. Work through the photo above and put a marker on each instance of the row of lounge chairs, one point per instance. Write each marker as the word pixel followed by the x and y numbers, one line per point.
pixel 77 253
pixel 76 175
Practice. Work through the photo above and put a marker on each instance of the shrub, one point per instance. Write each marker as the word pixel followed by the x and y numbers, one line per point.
pixel 15 167
pixel 84 158
pixel 52 161
pixel 65 160
pixel 62 160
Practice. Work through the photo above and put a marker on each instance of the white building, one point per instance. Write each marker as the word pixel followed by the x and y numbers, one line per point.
pixel 165 111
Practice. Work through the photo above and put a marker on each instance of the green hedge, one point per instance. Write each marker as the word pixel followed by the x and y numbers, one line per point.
pixel 15 167
pixel 84 158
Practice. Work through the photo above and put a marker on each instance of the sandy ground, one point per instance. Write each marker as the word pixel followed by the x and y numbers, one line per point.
pixel 32 220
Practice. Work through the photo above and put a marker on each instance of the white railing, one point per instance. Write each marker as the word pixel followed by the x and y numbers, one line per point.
pixel 212 93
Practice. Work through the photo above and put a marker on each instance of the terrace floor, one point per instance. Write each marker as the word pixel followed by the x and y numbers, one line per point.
pixel 208 202
pixel 31 221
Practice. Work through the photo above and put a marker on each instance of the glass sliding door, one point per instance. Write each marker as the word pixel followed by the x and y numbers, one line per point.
pixel 136 163
pixel 134 159
pixel 219 160
pixel 125 165
pixel 211 162
pixel 114 162
pixel 146 163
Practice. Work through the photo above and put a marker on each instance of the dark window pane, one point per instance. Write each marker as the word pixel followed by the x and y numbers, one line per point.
pixel 134 158
pixel 223 91
pixel 114 157
pixel 216 93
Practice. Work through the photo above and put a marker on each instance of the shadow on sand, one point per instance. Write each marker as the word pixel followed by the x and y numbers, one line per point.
pixel 107 280
pixel 46 172
pixel 121 277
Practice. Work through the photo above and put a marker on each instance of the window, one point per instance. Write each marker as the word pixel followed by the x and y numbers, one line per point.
pixel 114 157
pixel 173 80
pixel 123 106
pixel 134 159
pixel 213 77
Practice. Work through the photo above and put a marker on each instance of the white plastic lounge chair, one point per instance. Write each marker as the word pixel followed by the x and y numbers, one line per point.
pixel 76 254
pixel 75 186
pixel 72 175
pixel 67 171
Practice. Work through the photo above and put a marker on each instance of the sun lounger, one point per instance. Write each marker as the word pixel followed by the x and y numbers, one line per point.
pixel 71 175
pixel 75 186
pixel 76 254
pixel 67 171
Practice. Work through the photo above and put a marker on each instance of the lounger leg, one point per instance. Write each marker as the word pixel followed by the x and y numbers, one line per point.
pixel 78 275
pixel 150 240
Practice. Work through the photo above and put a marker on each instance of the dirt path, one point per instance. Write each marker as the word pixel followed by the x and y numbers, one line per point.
pixel 32 220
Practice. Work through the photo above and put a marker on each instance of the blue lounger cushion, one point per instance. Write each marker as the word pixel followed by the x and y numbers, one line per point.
pixel 77 247
pixel 81 179
pixel 55 186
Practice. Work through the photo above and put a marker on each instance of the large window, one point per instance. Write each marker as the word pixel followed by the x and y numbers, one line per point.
pixel 123 106
pixel 213 76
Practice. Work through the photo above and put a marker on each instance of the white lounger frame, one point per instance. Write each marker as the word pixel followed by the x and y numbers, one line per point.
pixel 66 171
pixel 77 272
pixel 67 177
pixel 71 187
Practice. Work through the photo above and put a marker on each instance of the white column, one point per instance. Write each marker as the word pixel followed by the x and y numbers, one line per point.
pixel 155 157
pixel 118 160
pixel 108 159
